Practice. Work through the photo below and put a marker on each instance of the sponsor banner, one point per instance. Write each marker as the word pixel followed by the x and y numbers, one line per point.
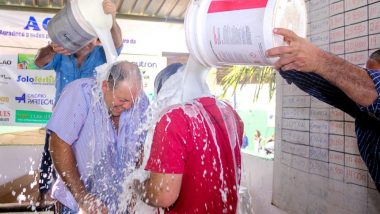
pixel 27 29
pixel 26 93
pixel 149 66
pixel 34 117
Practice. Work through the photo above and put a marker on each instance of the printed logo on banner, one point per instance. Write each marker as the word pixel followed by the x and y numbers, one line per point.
pixel 4 78
pixel 36 80
pixel 4 99
pixel 33 28
pixel 26 61
pixel 32 24
pixel 23 116
pixel 5 62
pixel 34 99
pixel 5 116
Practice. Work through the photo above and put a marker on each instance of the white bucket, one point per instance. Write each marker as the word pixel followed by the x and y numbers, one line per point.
pixel 238 32
pixel 79 23
pixel 69 29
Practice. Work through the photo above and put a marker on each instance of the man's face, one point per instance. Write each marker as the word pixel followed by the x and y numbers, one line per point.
pixel 373 64
pixel 120 98
pixel 88 48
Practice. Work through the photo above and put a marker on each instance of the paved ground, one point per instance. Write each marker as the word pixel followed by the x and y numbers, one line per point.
pixel 31 136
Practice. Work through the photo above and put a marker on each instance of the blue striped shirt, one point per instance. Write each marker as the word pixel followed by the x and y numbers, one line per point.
pixel 102 154
pixel 367 119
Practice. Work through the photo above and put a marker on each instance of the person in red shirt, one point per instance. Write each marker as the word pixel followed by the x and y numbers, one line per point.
pixel 195 161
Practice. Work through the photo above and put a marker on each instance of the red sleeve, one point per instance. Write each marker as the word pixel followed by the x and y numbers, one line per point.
pixel 168 151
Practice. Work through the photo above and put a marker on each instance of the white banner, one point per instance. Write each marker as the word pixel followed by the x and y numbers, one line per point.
pixel 27 93
pixel 149 66
pixel 29 30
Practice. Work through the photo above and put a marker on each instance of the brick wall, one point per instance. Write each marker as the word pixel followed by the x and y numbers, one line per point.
pixel 318 168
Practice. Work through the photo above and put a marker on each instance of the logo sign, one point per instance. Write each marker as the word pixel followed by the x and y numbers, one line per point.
pixel 4 116
pixel 23 116
pixel 4 99
pixel 5 62
pixel 33 24
pixel 34 99
pixel 36 80
pixel 4 78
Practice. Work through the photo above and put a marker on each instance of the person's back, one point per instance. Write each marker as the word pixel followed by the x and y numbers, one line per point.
pixel 199 135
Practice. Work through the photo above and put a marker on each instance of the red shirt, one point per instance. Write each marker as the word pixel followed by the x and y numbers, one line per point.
pixel 183 143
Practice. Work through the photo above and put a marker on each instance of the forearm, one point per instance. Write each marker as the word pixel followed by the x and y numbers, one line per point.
pixel 44 56
pixel 116 34
pixel 151 193
pixel 161 190
pixel 66 166
pixel 351 79
pixel 320 88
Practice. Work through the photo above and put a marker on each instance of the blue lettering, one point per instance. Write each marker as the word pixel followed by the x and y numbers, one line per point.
pixel 45 23
pixel 21 98
pixel 32 23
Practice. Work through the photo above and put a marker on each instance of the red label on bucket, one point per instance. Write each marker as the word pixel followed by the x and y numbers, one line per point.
pixel 231 5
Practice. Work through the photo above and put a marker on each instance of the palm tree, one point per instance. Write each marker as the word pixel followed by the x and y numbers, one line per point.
pixel 259 75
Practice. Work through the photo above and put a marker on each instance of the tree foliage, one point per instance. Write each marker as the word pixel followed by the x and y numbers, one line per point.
pixel 241 75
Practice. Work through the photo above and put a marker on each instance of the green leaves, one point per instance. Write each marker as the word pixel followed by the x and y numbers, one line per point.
pixel 241 75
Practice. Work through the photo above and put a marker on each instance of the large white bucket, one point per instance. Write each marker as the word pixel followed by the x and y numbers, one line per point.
pixel 69 29
pixel 73 26
pixel 238 32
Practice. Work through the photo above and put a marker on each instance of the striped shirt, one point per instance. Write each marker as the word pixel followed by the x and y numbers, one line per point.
pixel 103 155
pixel 367 119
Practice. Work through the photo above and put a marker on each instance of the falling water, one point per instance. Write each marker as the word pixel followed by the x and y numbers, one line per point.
pixel 173 95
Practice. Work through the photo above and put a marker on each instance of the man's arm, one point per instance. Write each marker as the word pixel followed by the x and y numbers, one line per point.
pixel 303 56
pixel 46 54
pixel 66 166
pixel 161 190
pixel 110 8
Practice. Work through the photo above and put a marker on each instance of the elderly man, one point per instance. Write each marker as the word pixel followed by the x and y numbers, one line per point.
pixel 69 67
pixel 339 83
pixel 94 140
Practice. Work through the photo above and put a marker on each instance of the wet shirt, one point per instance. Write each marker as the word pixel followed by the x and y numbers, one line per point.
pixel 67 70
pixel 81 119
pixel 367 119
pixel 185 143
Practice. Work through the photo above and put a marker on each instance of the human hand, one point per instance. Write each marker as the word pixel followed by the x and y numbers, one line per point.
pixel 300 54
pixel 109 7
pixel 58 49
pixel 91 204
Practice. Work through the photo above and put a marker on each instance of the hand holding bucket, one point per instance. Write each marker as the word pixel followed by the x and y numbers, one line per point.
pixel 82 21
pixel 238 32
pixel 297 52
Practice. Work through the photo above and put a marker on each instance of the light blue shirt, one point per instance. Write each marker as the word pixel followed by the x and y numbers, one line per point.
pixel 81 119
pixel 67 70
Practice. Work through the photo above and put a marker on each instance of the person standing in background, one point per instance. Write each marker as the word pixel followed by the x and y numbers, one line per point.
pixel 69 67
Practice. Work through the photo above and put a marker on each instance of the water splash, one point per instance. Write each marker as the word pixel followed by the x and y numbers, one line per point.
pixel 192 79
